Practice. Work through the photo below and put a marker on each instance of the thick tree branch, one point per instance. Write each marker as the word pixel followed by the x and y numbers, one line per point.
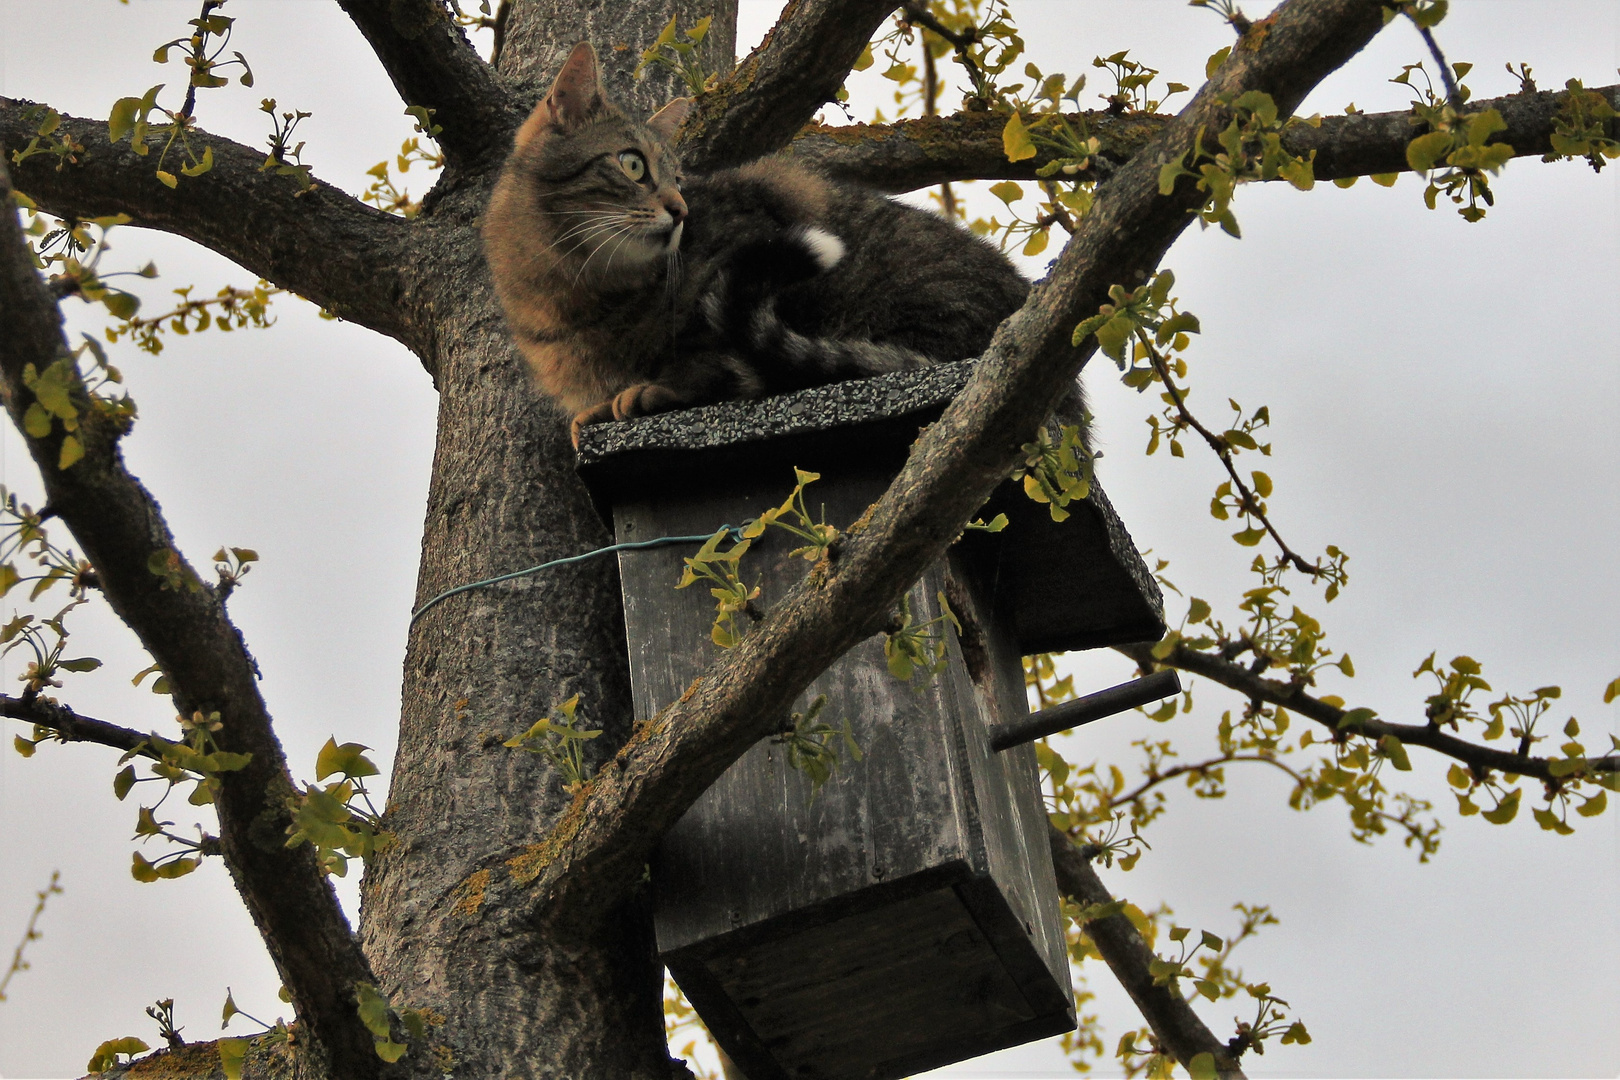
pixel 600 847
pixel 183 625
pixel 432 64
pixel 1179 1030
pixel 322 244
pixel 796 70
pixel 1294 698
pixel 67 725
pixel 911 154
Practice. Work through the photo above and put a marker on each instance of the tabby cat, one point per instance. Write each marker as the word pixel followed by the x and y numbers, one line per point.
pixel 632 289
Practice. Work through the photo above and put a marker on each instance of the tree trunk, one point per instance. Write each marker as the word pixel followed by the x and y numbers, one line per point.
pixel 522 1001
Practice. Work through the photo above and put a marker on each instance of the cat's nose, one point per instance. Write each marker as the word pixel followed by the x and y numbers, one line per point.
pixel 676 207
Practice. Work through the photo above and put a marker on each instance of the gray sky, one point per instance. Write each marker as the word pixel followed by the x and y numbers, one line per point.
pixel 1443 399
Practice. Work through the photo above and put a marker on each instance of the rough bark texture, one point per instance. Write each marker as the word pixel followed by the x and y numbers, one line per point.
pixel 433 65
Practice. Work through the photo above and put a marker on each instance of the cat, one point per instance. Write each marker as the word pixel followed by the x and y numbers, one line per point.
pixel 631 288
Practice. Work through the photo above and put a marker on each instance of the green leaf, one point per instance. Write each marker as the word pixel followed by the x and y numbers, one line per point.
pixel 232 1053
pixel 83 663
pixel 1595 805
pixel 202 166
pixel 142 870
pixel 106 1055
pixel 1611 691
pixel 348 759
pixel 1505 811
pixel 1551 822
pixel 1249 537
pixel 72 451
pixel 23 746
pixel 1016 142
pixel 122 119
pixel 1385 179
pixel 390 1051
pixel 1395 752
pixel 36 421
pixel 1212 941
pixel 1296 1033
pixel 1262 484
pixel 1007 191
pixel 167 178
pixel 1425 151
pixel 373 1009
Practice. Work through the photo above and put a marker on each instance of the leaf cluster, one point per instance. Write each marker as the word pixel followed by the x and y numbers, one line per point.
pixel 1056 473
pixel 1250 148
pixel 384 193
pixel 676 50
pixel 1581 127
pixel 338 819
pixel 560 739
pixel 910 646
pixel 1455 153
pixel 813 745
pixel 197 759
pixel 1574 782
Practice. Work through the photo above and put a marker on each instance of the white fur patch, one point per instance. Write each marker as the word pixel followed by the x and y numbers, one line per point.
pixel 824 247
pixel 675 236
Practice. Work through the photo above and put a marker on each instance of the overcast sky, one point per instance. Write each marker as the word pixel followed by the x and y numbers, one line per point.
pixel 1444 401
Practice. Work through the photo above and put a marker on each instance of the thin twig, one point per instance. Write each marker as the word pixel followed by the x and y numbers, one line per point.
pixel 1453 92
pixel 1249 504
pixel 31 933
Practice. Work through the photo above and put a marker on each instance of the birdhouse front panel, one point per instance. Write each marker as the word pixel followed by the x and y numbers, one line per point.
pixel 903 914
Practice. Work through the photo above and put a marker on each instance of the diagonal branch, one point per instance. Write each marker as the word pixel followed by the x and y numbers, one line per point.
pixel 1481 759
pixel 600 846
pixel 796 70
pixel 432 64
pixel 911 154
pixel 1174 1023
pixel 322 244
pixel 183 625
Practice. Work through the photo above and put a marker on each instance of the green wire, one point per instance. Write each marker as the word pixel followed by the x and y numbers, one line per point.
pixel 735 532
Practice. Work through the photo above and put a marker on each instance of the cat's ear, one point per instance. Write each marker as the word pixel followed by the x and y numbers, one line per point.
pixel 668 120
pixel 576 96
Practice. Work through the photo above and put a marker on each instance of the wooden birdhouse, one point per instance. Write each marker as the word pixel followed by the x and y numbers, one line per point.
pixel 904 915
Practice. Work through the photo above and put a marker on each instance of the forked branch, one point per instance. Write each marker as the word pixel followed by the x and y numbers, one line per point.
pixel 796 70
pixel 183 625
pixel 432 64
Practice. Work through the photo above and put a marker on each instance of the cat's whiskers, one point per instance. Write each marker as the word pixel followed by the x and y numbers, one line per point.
pixel 624 228
pixel 590 233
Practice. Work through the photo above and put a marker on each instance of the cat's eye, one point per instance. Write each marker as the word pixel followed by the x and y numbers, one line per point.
pixel 634 165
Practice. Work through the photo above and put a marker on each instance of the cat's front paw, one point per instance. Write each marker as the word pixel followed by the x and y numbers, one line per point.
pixel 644 399
pixel 596 414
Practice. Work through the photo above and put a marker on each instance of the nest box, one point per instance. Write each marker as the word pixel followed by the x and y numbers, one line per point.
pixel 906 916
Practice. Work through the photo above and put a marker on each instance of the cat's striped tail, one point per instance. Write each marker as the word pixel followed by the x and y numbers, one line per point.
pixel 742 310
